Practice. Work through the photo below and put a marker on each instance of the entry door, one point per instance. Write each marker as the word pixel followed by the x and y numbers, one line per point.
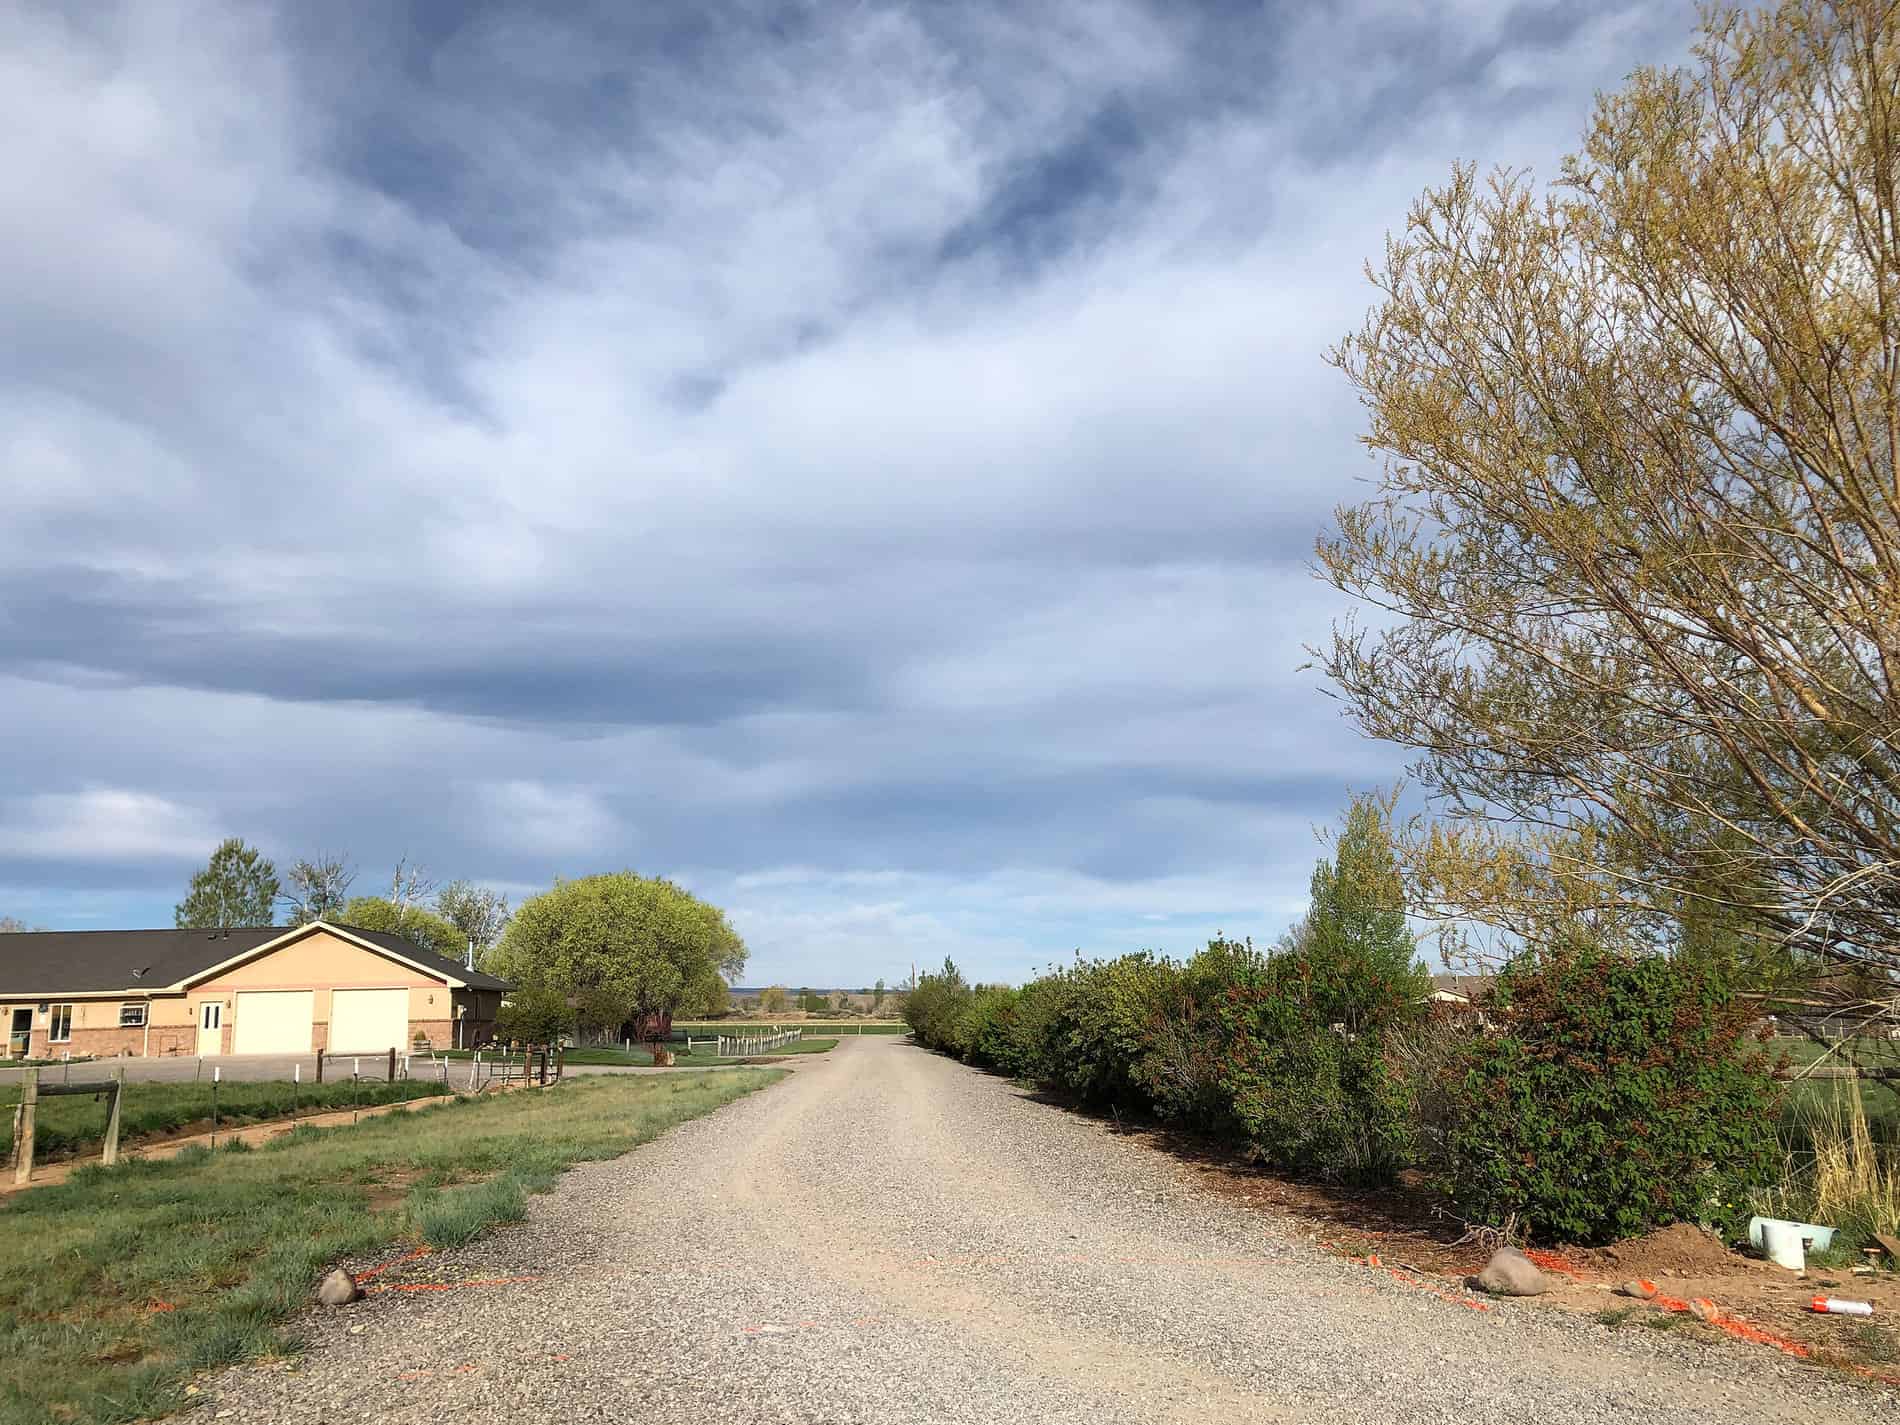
pixel 211 1027
pixel 21 1034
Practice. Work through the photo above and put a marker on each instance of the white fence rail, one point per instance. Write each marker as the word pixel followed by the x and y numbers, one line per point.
pixel 744 1046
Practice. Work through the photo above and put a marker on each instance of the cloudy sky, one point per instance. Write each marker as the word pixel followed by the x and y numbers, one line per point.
pixel 861 459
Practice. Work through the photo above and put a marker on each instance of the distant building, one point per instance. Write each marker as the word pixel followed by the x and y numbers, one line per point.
pixel 1461 989
pixel 255 990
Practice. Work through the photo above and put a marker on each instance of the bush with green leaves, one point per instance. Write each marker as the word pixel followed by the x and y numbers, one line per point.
pixel 1183 1072
pixel 934 1006
pixel 1307 1095
pixel 1096 1035
pixel 534 1015
pixel 1612 1096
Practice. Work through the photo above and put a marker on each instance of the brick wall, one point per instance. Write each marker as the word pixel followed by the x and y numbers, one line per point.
pixel 106 1043
pixel 441 1032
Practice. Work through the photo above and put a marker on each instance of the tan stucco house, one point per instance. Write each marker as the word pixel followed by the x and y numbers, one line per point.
pixel 262 990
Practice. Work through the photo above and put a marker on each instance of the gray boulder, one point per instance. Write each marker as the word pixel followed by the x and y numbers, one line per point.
pixel 339 1288
pixel 1511 1273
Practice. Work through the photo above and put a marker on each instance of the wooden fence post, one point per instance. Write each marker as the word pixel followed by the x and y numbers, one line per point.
pixel 23 1121
pixel 109 1154
pixel 319 1066
pixel 392 1063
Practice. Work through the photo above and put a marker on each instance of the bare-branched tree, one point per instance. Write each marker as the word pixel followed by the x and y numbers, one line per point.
pixel 479 913
pixel 411 887
pixel 317 887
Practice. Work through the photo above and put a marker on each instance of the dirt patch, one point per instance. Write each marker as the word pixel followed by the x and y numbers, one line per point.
pixel 391 1190
pixel 1407 1227
pixel 1683 1250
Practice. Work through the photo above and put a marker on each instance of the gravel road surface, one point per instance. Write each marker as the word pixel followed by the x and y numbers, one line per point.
pixel 889 1236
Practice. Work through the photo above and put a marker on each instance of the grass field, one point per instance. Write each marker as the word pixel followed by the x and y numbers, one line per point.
pixel 75 1123
pixel 1880 1100
pixel 119 1283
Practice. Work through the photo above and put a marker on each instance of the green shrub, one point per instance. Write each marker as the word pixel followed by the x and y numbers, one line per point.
pixel 1184 1071
pixel 982 1035
pixel 534 1015
pixel 1612 1098
pixel 933 1008
pixel 1100 1031
pixel 1307 1096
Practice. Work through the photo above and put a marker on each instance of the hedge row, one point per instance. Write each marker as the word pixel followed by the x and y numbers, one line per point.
pixel 1595 1096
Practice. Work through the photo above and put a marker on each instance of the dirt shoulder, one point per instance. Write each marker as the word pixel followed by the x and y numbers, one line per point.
pixel 1402 1230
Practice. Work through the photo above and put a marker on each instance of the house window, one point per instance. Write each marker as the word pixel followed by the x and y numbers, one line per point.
pixel 131 1016
pixel 60 1030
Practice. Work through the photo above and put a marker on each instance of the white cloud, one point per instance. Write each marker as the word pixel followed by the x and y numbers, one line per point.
pixel 890 454
pixel 523 815
pixel 100 823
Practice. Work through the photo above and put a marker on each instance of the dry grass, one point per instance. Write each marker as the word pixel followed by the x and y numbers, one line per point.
pixel 1840 1172
pixel 1856 1179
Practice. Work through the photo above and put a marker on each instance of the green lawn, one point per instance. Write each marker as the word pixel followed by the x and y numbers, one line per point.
pixel 1881 1099
pixel 118 1284
pixel 75 1123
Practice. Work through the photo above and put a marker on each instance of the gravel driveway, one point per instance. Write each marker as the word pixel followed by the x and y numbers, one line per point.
pixel 889 1236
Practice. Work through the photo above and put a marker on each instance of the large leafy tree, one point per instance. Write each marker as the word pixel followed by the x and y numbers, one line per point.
pixel 621 947
pixel 413 922
pixel 1636 546
pixel 238 886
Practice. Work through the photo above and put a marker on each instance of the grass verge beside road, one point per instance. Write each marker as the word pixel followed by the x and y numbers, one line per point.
pixel 119 1283
pixel 76 1123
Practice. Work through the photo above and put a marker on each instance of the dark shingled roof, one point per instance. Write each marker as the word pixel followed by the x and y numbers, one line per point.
pixel 55 962
pixel 1465 986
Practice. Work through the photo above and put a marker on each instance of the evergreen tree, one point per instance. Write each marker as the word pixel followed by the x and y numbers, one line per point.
pixel 237 887
pixel 1355 950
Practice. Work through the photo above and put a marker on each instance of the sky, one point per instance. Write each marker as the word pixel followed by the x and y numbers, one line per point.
pixel 861 460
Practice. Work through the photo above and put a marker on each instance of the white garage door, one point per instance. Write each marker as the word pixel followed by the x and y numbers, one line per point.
pixel 272 1022
pixel 368 1021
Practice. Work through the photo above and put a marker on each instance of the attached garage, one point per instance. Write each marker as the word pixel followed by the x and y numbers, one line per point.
pixel 272 1022
pixel 369 1021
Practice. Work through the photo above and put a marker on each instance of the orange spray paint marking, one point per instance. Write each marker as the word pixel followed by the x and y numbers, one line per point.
pixel 373 1272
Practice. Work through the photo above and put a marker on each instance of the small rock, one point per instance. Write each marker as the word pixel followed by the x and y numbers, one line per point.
pixel 356 1330
pixel 1511 1273
pixel 1638 1288
pixel 1703 1309
pixel 338 1289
